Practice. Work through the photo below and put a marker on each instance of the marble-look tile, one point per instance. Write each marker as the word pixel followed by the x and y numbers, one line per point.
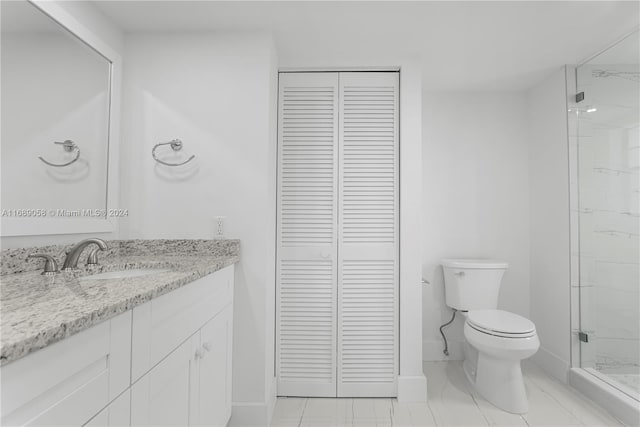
pixel 323 422
pixel 289 409
pixel 452 402
pixel 378 409
pixel 328 409
pixel 449 399
pixel 419 412
pixel 401 416
pixel 579 406
pixel 490 414
pixel 281 423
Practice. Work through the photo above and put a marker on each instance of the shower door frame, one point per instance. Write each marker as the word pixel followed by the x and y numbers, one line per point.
pixel 595 385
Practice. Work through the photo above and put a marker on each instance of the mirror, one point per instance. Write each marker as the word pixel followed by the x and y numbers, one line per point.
pixel 56 96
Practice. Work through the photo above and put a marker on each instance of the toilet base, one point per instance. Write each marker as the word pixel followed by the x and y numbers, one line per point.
pixel 500 382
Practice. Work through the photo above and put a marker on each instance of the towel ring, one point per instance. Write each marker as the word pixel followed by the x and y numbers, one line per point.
pixel 176 145
pixel 68 146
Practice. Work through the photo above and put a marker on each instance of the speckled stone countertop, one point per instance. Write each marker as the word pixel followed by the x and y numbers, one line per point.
pixel 39 310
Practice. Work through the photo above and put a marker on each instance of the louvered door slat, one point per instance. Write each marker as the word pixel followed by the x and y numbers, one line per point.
pixel 307 207
pixel 368 234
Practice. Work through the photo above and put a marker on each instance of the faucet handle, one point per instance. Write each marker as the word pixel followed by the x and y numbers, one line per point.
pixel 50 264
pixel 92 259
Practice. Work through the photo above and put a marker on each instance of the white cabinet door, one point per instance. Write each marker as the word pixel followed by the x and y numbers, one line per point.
pixel 161 324
pixel 307 234
pixel 117 414
pixel 214 394
pixel 162 396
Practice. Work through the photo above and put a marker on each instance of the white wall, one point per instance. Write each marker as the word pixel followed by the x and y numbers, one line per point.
pixel 549 222
pixel 474 201
pixel 216 92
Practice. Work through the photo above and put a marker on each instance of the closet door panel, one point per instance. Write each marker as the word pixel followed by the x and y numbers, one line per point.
pixel 368 235
pixel 307 234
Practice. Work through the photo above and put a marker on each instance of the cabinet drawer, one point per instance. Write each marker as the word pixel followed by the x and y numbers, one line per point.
pixel 68 382
pixel 162 324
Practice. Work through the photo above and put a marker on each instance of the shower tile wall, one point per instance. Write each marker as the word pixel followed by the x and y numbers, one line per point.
pixel 608 153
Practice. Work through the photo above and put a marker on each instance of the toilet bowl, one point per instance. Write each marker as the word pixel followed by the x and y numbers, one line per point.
pixel 496 340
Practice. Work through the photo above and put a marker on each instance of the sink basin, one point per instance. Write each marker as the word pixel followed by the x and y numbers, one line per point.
pixel 123 274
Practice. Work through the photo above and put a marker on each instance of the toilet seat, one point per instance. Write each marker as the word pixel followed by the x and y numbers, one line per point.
pixel 501 323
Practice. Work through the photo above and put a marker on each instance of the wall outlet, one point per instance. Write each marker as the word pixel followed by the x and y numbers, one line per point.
pixel 219 227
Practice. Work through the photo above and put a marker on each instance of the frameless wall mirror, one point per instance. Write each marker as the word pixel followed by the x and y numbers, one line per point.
pixel 56 105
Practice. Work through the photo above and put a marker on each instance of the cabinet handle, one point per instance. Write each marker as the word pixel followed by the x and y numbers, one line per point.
pixel 206 346
pixel 199 354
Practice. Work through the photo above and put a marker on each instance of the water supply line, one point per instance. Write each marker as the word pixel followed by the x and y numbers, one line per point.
pixel 446 347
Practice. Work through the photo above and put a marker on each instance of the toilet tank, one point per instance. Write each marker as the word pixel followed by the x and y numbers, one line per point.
pixel 472 284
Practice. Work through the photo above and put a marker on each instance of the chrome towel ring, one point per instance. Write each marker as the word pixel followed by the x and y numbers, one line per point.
pixel 176 145
pixel 68 146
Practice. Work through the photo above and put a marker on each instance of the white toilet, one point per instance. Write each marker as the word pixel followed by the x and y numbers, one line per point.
pixel 496 340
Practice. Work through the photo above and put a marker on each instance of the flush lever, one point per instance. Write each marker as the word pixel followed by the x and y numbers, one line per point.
pixel 459 273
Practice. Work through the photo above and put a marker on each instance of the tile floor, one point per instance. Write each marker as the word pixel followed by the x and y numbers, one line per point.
pixel 452 402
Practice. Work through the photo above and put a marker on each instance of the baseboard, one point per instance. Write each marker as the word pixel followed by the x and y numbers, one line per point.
pixel 432 350
pixel 412 388
pixel 272 398
pixel 620 405
pixel 552 364
pixel 255 414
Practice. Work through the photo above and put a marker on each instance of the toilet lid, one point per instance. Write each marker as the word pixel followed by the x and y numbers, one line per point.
pixel 501 323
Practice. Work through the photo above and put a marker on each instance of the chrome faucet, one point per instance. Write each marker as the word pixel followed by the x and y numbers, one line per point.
pixel 50 265
pixel 71 261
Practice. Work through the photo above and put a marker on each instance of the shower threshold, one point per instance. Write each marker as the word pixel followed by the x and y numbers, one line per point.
pixel 598 387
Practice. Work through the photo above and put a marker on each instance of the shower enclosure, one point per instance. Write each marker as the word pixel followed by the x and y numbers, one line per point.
pixel 605 191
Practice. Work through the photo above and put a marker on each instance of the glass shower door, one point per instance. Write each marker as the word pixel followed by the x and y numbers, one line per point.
pixel 609 214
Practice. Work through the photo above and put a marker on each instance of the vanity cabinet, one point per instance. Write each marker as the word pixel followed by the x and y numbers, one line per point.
pixel 166 362
pixel 68 382
pixel 192 385
pixel 116 414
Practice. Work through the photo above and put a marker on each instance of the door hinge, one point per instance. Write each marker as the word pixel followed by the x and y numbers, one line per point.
pixel 580 96
pixel 583 336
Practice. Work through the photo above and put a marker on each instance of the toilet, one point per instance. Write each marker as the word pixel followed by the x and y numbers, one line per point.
pixel 496 340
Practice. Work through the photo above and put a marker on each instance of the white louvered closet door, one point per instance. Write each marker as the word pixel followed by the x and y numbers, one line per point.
pixel 368 235
pixel 306 314
pixel 337 301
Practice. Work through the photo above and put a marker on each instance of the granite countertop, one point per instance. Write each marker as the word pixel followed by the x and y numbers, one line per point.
pixel 38 310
